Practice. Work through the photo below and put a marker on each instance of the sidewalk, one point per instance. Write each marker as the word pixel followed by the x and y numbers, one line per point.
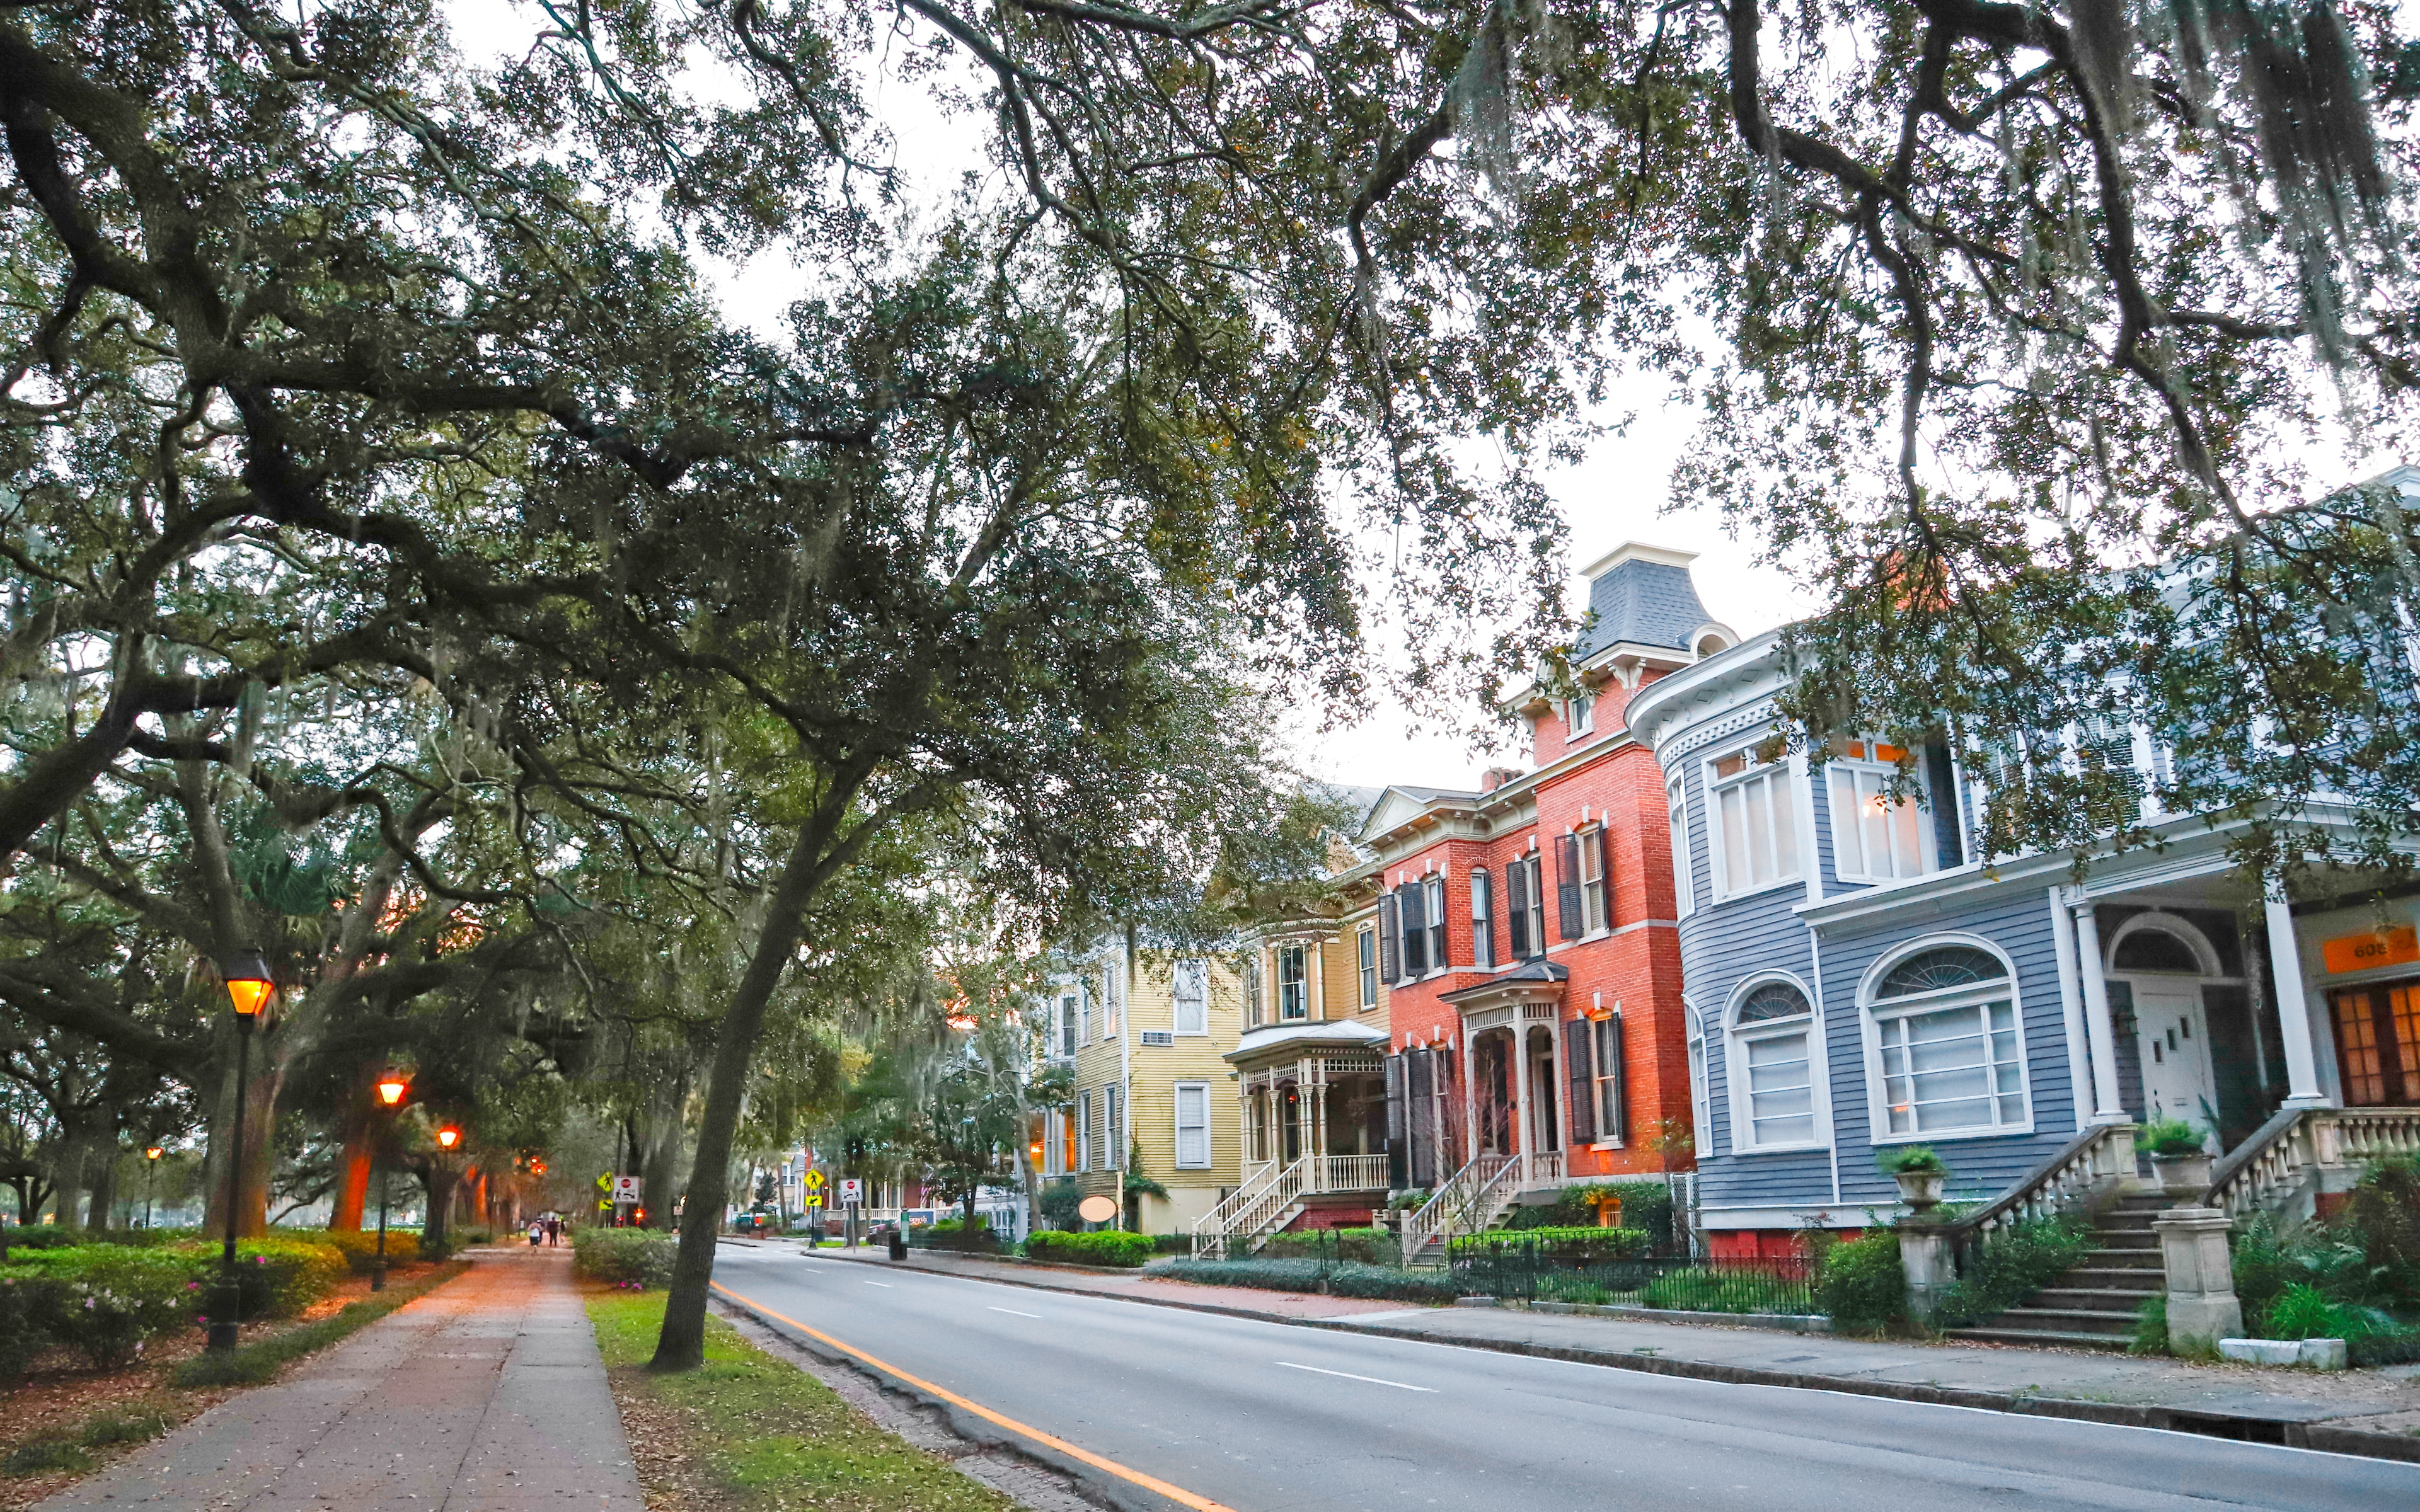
pixel 2373 1412
pixel 486 1396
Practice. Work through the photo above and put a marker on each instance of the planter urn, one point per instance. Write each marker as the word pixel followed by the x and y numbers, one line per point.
pixel 2187 1173
pixel 1920 1190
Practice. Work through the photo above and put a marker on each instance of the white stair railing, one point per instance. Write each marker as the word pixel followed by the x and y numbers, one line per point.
pixel 1454 1199
pixel 1255 1203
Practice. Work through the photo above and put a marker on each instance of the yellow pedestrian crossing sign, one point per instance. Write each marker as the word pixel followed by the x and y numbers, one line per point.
pixel 815 1180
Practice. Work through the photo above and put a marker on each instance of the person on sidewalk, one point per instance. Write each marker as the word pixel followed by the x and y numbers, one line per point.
pixel 537 1230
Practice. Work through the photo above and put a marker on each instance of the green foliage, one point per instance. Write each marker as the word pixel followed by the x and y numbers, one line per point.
pixel 1645 1205
pixel 2150 1335
pixel 2383 1210
pixel 2012 1264
pixel 1060 1200
pixel 2168 1137
pixel 1345 1280
pixel 1896 1160
pixel 1860 1285
pixel 250 1364
pixel 1730 1289
pixel 1370 1246
pixel 360 1247
pixel 28 1306
pixel 636 1257
pixel 1574 1243
pixel 44 1456
pixel 1107 1247
pixel 279 1275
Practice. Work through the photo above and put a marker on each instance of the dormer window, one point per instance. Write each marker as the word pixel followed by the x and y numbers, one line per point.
pixel 1582 711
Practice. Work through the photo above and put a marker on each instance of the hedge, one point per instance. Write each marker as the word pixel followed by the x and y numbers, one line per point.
pixel 640 1258
pixel 360 1247
pixel 107 1300
pixel 1860 1285
pixel 279 1275
pixel 1574 1244
pixel 1349 1279
pixel 1107 1247
pixel 1371 1246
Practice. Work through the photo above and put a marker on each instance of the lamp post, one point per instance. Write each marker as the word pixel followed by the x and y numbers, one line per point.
pixel 448 1137
pixel 391 1088
pixel 150 1179
pixel 249 988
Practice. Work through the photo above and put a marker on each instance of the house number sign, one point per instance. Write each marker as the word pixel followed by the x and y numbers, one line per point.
pixel 2379 947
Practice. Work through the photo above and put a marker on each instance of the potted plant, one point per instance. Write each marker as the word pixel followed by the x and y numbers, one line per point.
pixel 2179 1154
pixel 1920 1175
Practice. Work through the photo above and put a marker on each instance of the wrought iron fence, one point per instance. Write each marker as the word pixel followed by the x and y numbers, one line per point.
pixel 1526 1272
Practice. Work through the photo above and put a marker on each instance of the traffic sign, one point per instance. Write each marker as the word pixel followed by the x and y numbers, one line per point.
pixel 852 1189
pixel 814 1179
pixel 815 1200
pixel 627 1188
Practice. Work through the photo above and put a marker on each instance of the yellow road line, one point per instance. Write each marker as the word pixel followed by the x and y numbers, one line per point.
pixel 1175 1493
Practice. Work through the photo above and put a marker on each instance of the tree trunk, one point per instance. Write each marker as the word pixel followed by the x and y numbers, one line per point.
pixel 353 1186
pixel 661 1174
pixel 681 1345
pixel 101 1166
pixel 440 1182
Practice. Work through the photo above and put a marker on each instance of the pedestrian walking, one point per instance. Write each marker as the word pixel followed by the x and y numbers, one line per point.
pixel 536 1229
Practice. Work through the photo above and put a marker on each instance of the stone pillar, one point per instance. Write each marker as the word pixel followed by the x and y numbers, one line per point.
pixel 2202 1308
pixel 2102 1027
pixel 2303 1088
pixel 1925 1257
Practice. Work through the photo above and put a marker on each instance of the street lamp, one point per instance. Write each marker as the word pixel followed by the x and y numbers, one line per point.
pixel 391 1088
pixel 249 987
pixel 150 1179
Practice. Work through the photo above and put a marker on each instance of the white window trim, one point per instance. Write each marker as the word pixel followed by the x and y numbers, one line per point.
pixel 1790 770
pixel 1685 875
pixel 1870 1032
pixel 1365 966
pixel 1701 1101
pixel 1576 723
pixel 1735 1068
pixel 1084 1130
pixel 1304 1017
pixel 1927 840
pixel 1592 844
pixel 1482 925
pixel 1434 924
pixel 1198 972
pixel 1176 1118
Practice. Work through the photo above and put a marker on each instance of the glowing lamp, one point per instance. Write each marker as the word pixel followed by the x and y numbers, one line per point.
pixel 391 1088
pixel 537 1168
pixel 448 1137
pixel 153 1152
pixel 248 983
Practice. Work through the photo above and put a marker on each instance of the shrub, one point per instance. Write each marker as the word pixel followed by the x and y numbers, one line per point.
pixel 1897 1160
pixel 28 1306
pixel 1107 1247
pixel 2168 1137
pixel 2150 1328
pixel 1722 1291
pixel 45 1236
pixel 1348 1280
pixel 360 1247
pixel 1645 1205
pixel 278 1276
pixel 1370 1246
pixel 627 1256
pixel 1860 1286
pixel 105 1300
pixel 1059 1200
pixel 2011 1265
pixel 2384 1211
pixel 1576 1246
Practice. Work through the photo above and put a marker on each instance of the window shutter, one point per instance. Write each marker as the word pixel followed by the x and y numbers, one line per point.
pixel 1516 907
pixel 1580 1063
pixel 1416 937
pixel 1397 1112
pixel 1616 1085
pixel 1567 885
pixel 1391 966
pixel 1421 1128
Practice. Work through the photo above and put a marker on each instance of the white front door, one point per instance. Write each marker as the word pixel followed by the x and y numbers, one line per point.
pixel 2174 1039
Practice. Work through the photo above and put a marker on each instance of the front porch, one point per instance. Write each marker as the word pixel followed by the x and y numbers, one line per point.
pixel 1313 1110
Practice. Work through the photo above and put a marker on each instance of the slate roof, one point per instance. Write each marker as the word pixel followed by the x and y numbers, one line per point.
pixel 1645 602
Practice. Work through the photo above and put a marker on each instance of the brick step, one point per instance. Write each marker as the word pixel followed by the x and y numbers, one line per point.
pixel 2065 1319
pixel 2091 1298
pixel 2114 1344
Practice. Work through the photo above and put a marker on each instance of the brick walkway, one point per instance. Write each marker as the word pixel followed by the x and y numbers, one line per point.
pixel 484 1395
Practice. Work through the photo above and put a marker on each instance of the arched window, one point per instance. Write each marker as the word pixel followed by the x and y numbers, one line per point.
pixel 1947 1044
pixel 1772 1070
pixel 2155 949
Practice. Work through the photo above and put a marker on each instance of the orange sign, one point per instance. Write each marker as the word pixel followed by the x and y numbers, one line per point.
pixel 2383 948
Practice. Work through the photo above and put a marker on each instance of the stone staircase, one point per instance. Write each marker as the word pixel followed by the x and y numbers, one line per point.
pixel 2095 1305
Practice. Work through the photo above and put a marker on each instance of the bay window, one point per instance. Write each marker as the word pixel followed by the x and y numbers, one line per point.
pixel 1754 806
pixel 1875 837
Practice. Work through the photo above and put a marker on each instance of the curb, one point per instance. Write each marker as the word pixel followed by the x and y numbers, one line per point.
pixel 2240 1427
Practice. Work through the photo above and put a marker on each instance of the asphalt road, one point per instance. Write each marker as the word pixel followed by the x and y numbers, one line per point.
pixel 1266 1417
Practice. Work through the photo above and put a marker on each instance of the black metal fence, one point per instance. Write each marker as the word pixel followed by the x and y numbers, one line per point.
pixel 1527 1272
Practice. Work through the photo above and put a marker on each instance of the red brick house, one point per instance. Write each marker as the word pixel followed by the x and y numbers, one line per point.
pixel 1526 932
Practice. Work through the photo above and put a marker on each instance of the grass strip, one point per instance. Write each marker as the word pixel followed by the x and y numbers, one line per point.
pixel 249 1365
pixel 768 1436
pixel 103 1429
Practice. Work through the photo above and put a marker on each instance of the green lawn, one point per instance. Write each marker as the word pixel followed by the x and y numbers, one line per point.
pixel 773 1436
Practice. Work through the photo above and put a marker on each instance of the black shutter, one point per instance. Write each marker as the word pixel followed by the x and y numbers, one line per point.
pixel 1416 940
pixel 1516 907
pixel 1567 885
pixel 1390 967
pixel 1420 1089
pixel 1605 868
pixel 1580 1063
pixel 1617 1127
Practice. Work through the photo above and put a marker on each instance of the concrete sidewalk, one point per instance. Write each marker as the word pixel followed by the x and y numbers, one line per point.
pixel 486 1396
pixel 2362 1412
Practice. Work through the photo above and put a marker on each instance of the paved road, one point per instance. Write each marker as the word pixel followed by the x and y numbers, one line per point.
pixel 1266 1417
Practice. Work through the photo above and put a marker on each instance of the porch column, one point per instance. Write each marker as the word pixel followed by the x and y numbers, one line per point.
pixel 2109 1107
pixel 1522 1143
pixel 2303 1090
pixel 1319 1130
pixel 1302 1094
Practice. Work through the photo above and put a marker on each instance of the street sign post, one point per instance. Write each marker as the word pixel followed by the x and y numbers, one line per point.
pixel 627 1188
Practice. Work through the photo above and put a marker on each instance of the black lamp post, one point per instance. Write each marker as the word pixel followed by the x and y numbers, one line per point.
pixel 150 1179
pixel 249 988
pixel 391 1088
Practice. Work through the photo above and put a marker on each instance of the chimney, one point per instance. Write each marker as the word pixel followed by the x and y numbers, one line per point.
pixel 1496 777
